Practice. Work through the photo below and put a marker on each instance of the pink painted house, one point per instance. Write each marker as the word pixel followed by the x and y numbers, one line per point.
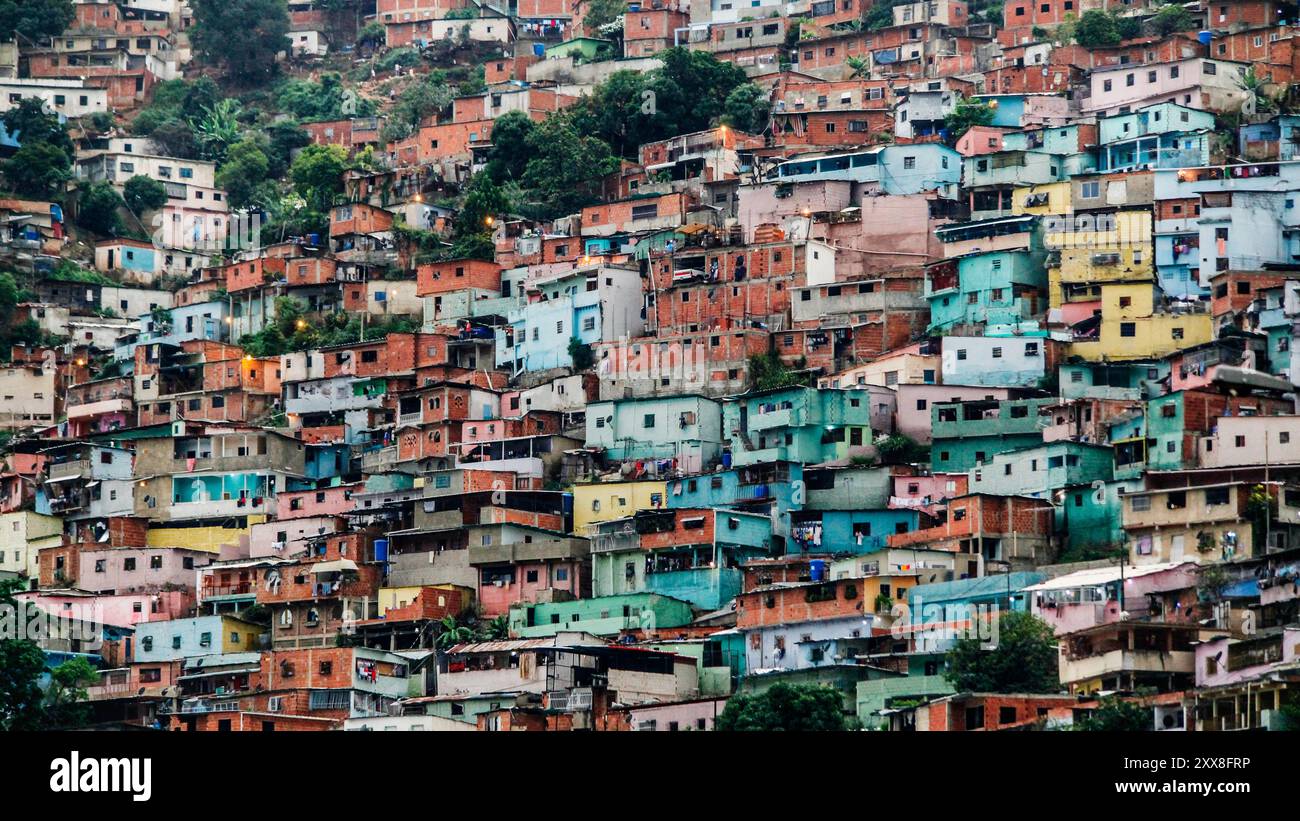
pixel 1088 598
pixel 289 537
pixel 301 504
pixel 1224 660
pixel 121 610
pixel 980 139
pixel 927 493
pixel 140 569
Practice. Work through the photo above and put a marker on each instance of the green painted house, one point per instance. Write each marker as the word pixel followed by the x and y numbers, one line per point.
pixel 602 616
pixel 964 434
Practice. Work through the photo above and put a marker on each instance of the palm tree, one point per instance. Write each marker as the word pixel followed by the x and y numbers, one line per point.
pixel 859 68
pixel 218 128
pixel 451 633
pixel 1254 84
pixel 496 630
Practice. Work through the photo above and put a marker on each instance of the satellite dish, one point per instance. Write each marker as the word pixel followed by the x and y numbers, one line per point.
pixel 1248 106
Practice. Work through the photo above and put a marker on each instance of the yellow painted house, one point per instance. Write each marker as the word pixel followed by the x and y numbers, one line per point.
pixel 23 533
pixel 605 501
pixel 1135 326
pixel 1041 200
pixel 210 539
pixel 239 636
pixel 392 598
pixel 1095 250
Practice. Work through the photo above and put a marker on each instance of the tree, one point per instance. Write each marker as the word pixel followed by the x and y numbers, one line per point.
pixel 21 664
pixel 966 115
pixel 97 206
pixel 581 354
pixel 372 35
pixel 496 630
pixel 566 165
pixel 879 16
pixel 418 101
pixel 601 13
pixel 144 194
pixel 482 204
pixel 748 108
pixel 218 128
pixel 768 372
pixel 1173 17
pixel 243 35
pixel 509 156
pixel 44 160
pixel 243 173
pixel 30 123
pixel 317 174
pixel 284 137
pixel 452 632
pixel 34 19
pixel 37 170
pixel 175 138
pixel 1116 715
pixel 1023 660
pixel 901 450
pixel 1097 29
pixel 784 707
pixel 65 697
pixel 693 86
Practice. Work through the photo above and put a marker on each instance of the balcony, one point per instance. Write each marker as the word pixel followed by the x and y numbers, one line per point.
pixel 783 418
pixel 100 408
pixel 240 589
pixel 79 469
pixel 380 461
pixel 1128 661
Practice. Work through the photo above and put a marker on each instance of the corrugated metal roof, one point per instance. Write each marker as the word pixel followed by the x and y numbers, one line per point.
pixel 959 589
pixel 502 646
pixel 1105 575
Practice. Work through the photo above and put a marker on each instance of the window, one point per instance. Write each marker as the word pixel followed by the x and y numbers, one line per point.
pixel 648 421
pixel 1127 329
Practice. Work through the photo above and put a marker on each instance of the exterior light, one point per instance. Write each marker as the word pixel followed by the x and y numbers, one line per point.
pixel 300 324
pixel 489 221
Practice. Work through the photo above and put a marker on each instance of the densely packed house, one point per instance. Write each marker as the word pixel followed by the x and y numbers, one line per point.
pixel 983 312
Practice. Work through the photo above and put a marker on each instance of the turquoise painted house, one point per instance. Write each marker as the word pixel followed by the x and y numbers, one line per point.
pixel 967 433
pixel 797 425
pixel 997 288
pixel 603 616
pixel 685 428
pixel 657 551
pixel 1042 471
pixel 772 489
